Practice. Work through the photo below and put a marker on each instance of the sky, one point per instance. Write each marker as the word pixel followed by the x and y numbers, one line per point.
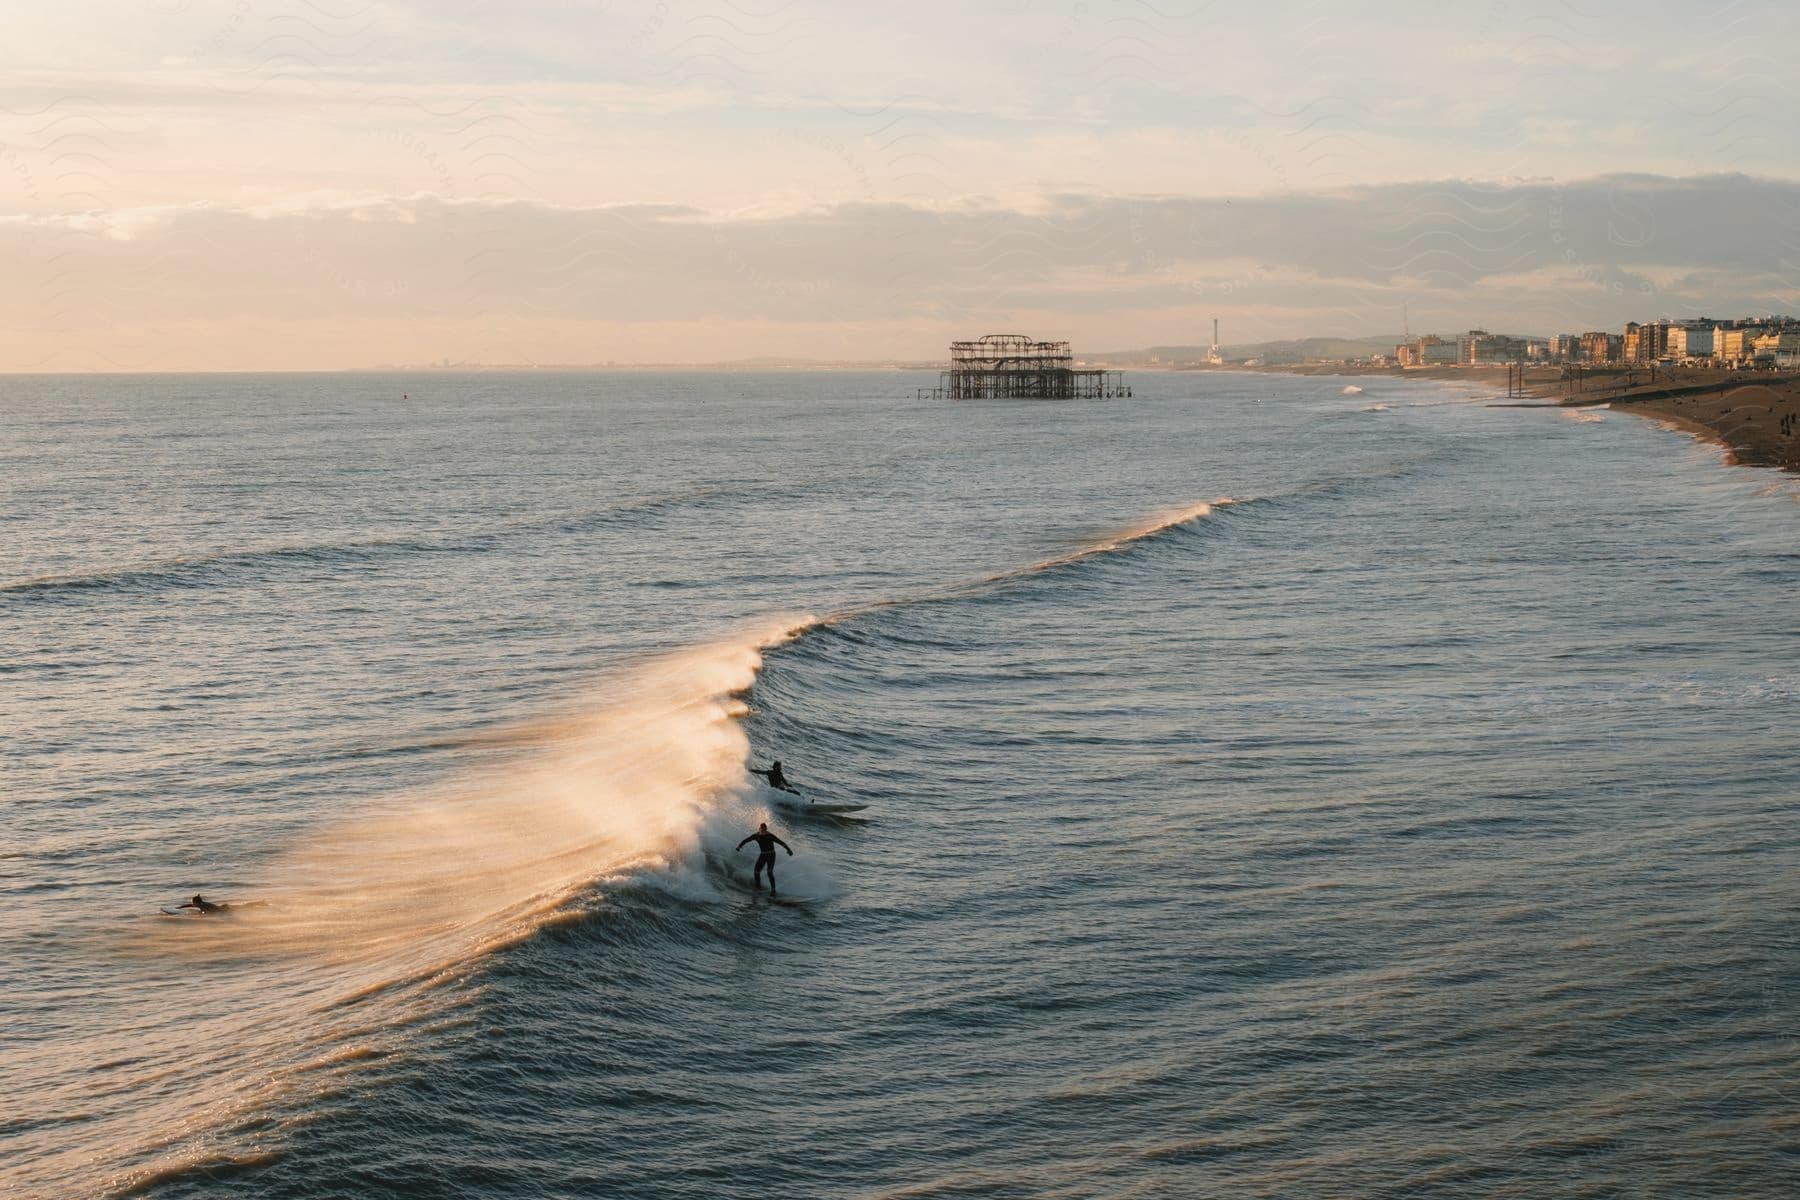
pixel 291 184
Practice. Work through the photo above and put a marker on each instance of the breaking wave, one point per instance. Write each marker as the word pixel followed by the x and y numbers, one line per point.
pixel 372 923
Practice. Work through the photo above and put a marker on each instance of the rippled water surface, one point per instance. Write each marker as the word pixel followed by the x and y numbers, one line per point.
pixel 1272 791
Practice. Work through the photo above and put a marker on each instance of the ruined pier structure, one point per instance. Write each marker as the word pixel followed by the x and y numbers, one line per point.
pixel 1009 366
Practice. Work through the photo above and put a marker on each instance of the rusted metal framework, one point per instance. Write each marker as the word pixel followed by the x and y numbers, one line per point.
pixel 1010 366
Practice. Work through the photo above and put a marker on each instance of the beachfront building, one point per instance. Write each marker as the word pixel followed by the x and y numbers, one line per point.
pixel 1597 347
pixel 1565 347
pixel 1645 343
pixel 1500 348
pixel 1733 345
pixel 1776 348
pixel 1478 347
pixel 1427 350
pixel 1688 342
pixel 1657 333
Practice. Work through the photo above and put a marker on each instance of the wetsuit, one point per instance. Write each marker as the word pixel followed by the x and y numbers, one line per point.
pixel 775 777
pixel 204 906
pixel 766 842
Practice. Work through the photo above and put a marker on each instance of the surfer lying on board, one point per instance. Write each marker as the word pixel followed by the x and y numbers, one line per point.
pixel 774 776
pixel 767 842
pixel 205 908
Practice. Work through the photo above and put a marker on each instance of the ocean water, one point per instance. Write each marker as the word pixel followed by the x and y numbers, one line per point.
pixel 1272 791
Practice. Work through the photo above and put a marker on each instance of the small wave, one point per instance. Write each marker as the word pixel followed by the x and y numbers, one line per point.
pixel 1586 416
pixel 186 570
pixel 1159 522
pixel 1352 390
pixel 1373 408
pixel 1156 523
pixel 627 512
pixel 210 1165
pixel 230 565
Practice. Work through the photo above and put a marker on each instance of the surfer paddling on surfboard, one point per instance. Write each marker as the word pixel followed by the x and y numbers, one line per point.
pixel 766 842
pixel 774 776
pixel 202 907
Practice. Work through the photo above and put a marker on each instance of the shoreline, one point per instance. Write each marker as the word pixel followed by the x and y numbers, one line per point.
pixel 1754 415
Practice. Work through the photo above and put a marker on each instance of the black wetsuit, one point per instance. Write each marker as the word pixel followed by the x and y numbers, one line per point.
pixel 204 906
pixel 766 842
pixel 775 777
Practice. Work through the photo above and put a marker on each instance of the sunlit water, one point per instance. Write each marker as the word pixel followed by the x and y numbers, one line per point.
pixel 1273 790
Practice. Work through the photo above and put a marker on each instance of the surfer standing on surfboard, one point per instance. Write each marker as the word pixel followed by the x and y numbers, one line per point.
pixel 774 776
pixel 766 842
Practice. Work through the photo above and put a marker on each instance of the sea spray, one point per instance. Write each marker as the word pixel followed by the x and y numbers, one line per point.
pixel 369 918
pixel 623 782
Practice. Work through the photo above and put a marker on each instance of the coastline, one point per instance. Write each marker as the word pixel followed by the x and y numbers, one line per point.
pixel 1754 415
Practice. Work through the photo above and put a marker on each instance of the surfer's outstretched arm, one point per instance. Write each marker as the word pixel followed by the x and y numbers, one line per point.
pixel 785 846
pixel 745 842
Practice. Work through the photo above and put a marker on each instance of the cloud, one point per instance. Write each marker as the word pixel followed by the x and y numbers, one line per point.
pixel 1528 257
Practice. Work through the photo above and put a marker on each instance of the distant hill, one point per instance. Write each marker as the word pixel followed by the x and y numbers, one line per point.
pixel 1297 350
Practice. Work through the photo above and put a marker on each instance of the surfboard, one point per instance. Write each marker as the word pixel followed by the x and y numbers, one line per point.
pixel 224 910
pixel 799 804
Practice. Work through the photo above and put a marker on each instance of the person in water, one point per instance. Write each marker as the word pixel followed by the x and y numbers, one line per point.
pixel 202 905
pixel 767 842
pixel 774 776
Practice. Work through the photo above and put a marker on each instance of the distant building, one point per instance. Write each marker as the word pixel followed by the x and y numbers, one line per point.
pixel 1776 348
pixel 1734 345
pixel 1645 343
pixel 1660 332
pixel 1499 348
pixel 1690 342
pixel 1428 350
pixel 1465 347
pixel 1436 352
pixel 1478 347
pixel 1766 341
